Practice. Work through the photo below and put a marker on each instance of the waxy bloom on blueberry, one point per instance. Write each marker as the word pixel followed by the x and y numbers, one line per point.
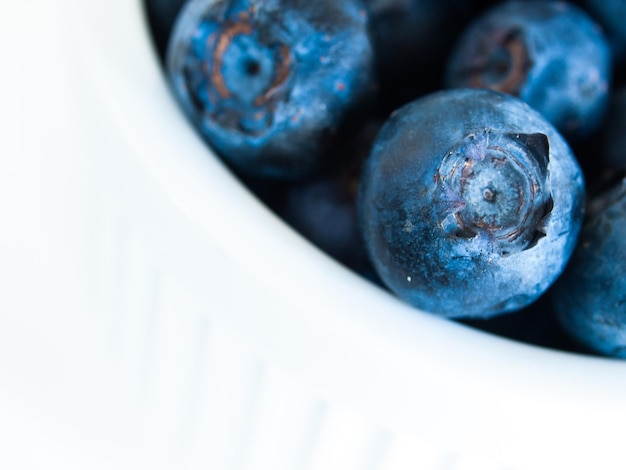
pixel 590 297
pixel 549 54
pixel 470 203
pixel 269 82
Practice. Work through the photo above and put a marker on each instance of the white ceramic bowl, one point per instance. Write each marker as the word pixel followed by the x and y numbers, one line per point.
pixel 217 338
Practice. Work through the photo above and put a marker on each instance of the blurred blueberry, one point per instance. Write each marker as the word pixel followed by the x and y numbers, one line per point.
pixel 611 14
pixel 411 39
pixel 411 31
pixel 269 82
pixel 470 203
pixel 603 155
pixel 614 132
pixel 323 208
pixel 590 297
pixel 549 54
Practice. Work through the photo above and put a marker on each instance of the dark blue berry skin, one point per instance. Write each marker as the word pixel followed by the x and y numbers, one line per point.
pixel 549 54
pixel 536 324
pixel 590 296
pixel 269 82
pixel 470 203
pixel 411 40
pixel 614 132
pixel 611 14
pixel 412 31
pixel 323 208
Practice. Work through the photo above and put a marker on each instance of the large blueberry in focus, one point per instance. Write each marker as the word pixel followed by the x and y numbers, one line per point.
pixel 470 203
pixel 269 82
pixel 549 54
pixel 590 296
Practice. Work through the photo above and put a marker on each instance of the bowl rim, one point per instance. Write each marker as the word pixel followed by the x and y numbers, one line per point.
pixel 374 347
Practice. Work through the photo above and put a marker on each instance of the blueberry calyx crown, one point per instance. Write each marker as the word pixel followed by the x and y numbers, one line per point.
pixel 495 185
pixel 237 69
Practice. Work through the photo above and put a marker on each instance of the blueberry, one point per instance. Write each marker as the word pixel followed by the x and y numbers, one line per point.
pixel 323 208
pixel 411 39
pixel 269 82
pixel 611 14
pixel 470 203
pixel 549 54
pixel 590 296
pixel 536 324
pixel 614 132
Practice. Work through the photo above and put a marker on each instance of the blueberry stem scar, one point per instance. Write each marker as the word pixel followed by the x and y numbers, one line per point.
pixel 222 44
pixel 508 60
